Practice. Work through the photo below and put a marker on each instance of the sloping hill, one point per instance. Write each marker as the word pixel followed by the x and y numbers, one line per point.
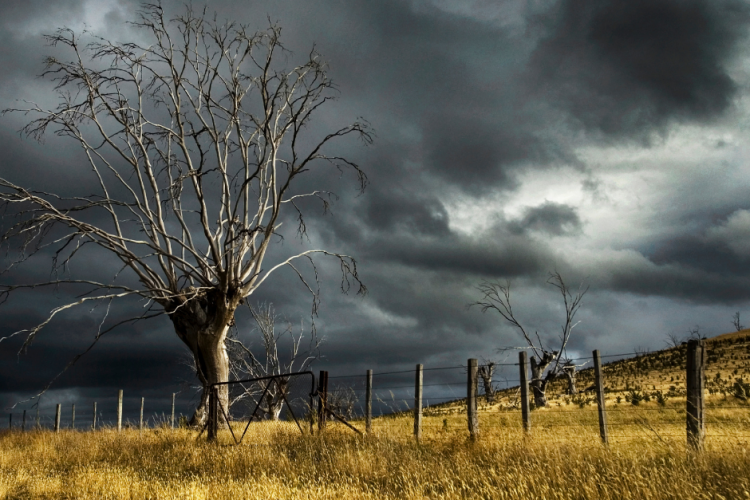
pixel 651 375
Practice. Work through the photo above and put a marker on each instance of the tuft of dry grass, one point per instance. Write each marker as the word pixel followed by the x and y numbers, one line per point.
pixel 561 458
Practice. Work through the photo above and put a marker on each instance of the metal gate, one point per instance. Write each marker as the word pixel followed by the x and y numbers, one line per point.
pixel 262 399
pixel 265 398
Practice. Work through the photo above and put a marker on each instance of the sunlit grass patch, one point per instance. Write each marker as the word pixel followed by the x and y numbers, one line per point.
pixel 562 457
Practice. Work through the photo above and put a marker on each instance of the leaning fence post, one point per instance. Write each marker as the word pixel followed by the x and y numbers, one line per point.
pixel 173 396
pixel 695 381
pixel 140 427
pixel 213 413
pixel 524 377
pixel 368 402
pixel 600 397
pixel 37 413
pixel 57 418
pixel 418 402
pixel 23 422
pixel 471 399
pixel 73 417
pixel 323 399
pixel 93 421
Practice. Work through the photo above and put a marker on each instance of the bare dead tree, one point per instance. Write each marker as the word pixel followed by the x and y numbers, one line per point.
pixel 545 362
pixel 244 364
pixel 736 322
pixel 570 371
pixel 485 372
pixel 196 141
pixel 341 401
pixel 694 332
pixel 673 340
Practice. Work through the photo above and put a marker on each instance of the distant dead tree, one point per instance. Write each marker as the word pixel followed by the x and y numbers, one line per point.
pixel 695 333
pixel 485 372
pixel 545 362
pixel 736 322
pixel 244 364
pixel 196 141
pixel 570 371
pixel 341 401
pixel 673 340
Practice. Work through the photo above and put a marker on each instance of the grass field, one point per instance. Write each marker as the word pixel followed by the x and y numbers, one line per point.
pixel 562 456
pixel 646 459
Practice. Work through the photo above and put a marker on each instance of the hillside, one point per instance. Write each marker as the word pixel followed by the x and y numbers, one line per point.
pixel 651 375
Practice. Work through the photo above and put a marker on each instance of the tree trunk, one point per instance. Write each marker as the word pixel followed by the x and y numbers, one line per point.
pixel 538 382
pixel 202 324
pixel 570 373
pixel 274 403
pixel 485 373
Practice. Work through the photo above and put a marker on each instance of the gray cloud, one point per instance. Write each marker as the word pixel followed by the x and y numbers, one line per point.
pixel 467 109
pixel 555 219
pixel 630 68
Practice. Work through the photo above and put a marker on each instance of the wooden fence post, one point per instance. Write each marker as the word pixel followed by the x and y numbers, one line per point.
pixel 140 427
pixel 10 421
pixel 418 402
pixel 600 397
pixel 368 402
pixel 173 396
pixel 322 399
pixel 23 422
pixel 695 383
pixel 93 421
pixel 523 362
pixel 119 411
pixel 57 418
pixel 37 413
pixel 213 413
pixel 471 399
pixel 73 417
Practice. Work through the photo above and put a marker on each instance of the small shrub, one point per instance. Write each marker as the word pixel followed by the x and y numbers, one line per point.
pixel 580 400
pixel 635 397
pixel 661 398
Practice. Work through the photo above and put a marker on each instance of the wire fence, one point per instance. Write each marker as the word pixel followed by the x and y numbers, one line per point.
pixel 644 397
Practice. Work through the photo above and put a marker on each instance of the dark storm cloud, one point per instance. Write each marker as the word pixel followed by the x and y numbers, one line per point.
pixel 502 257
pixel 707 264
pixel 457 113
pixel 627 68
pixel 403 210
pixel 677 281
pixel 23 48
pixel 555 219
pixel 480 156
pixel 696 252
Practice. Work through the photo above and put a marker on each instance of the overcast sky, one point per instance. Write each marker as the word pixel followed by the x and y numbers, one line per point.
pixel 604 139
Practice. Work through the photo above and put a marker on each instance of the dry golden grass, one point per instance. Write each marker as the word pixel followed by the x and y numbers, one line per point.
pixel 562 457
pixel 647 459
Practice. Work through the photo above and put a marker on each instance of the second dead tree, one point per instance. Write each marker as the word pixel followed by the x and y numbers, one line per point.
pixel 545 362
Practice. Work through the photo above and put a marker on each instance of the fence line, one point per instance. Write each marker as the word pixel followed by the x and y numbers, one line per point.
pixel 695 408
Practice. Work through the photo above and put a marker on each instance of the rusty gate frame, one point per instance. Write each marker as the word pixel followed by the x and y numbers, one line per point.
pixel 215 405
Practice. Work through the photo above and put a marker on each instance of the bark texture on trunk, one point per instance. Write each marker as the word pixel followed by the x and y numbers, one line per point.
pixel 485 373
pixel 538 380
pixel 570 373
pixel 202 324
pixel 274 402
